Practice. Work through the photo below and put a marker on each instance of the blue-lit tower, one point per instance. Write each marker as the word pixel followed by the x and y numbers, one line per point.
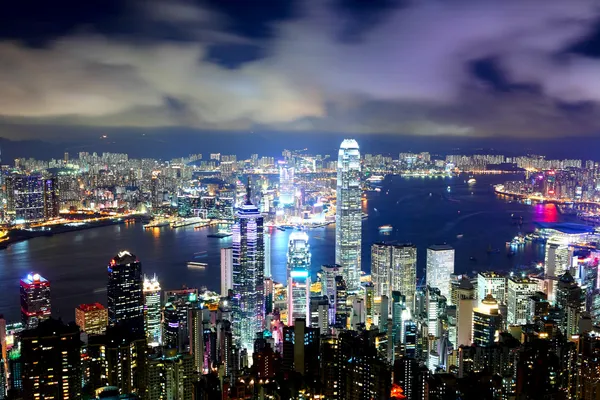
pixel 348 219
pixel 248 274
pixel 298 272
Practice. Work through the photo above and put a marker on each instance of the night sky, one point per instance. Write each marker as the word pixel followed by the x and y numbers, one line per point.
pixel 463 69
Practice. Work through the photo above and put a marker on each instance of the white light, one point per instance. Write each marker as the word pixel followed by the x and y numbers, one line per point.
pixel 36 277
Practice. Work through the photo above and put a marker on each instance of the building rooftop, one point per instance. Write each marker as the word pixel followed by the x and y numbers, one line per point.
pixel 438 247
pixel 90 307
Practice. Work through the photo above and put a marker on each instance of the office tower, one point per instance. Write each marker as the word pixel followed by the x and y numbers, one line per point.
pixel 348 219
pixel 363 373
pixel 410 339
pixel 199 329
pixel 172 336
pixel 182 295
pixel 286 184
pixel 51 358
pixel 341 309
pixel 570 298
pixel 25 197
pixel 226 270
pixel 319 314
pixel 328 286
pixel 436 304
pixel 92 318
pixel 35 300
pixel 267 240
pixel 384 313
pixel 269 288
pixel 493 283
pixel 51 198
pixel 381 262
pixel 461 288
pixel 440 265
pixel 170 376
pixel 248 273
pixel 487 322
pixel 464 321
pixel 298 269
pixel 152 311
pixel 301 348
pixel 125 357
pixel 404 272
pixel 518 291
pixel 125 292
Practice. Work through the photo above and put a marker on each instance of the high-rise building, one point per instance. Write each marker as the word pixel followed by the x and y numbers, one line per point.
pixel 152 311
pixel 490 282
pixel 248 274
pixel 170 376
pixel 172 327
pixel 298 270
pixel 25 197
pixel 518 291
pixel 435 305
pixel 440 265
pixel 35 300
pixel 286 184
pixel 51 358
pixel 51 198
pixel 226 270
pixel 570 298
pixel 125 292
pixel 486 322
pixel 348 219
pixel 198 321
pixel 381 262
pixel 92 318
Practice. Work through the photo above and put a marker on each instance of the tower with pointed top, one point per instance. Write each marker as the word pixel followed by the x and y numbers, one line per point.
pixel 248 273
pixel 348 218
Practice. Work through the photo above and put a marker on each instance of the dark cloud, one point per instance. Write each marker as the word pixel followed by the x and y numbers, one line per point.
pixel 462 67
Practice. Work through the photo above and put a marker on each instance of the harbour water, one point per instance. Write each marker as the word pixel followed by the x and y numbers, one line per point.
pixel 422 211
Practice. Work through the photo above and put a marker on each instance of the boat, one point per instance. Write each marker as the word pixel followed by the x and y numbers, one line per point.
pixel 196 265
pixel 448 189
pixel 472 258
pixel 471 181
pixel 386 228
pixel 460 236
pixel 185 221
pixel 156 224
pixel 219 235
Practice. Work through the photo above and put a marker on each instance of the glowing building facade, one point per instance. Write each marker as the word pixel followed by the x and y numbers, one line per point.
pixel 92 318
pixel 348 220
pixel 152 311
pixel 298 271
pixel 248 274
pixel 35 300
pixel 440 265
pixel 125 292
pixel 394 268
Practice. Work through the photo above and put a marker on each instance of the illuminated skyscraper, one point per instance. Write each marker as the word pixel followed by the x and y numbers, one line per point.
pixel 226 270
pixel 440 265
pixel 92 318
pixel 487 322
pixel 35 300
pixel 248 274
pixel 298 270
pixel 381 261
pixel 125 292
pixel 394 268
pixel 518 291
pixel 348 220
pixel 493 283
pixel 25 196
pixel 286 184
pixel 152 311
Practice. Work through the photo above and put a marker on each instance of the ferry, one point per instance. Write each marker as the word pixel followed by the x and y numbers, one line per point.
pixel 386 228
pixel 185 221
pixel 375 179
pixel 156 224
pixel 196 265
pixel 471 181
pixel 219 235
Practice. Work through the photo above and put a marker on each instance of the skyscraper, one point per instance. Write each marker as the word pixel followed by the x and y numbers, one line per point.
pixel 51 357
pixel 25 197
pixel 487 322
pixel 381 261
pixel 493 283
pixel 286 184
pixel 248 273
pixel 125 292
pixel 348 219
pixel 518 291
pixel 440 265
pixel 91 318
pixel 152 310
pixel 35 300
pixel 226 270
pixel 298 270
pixel 394 268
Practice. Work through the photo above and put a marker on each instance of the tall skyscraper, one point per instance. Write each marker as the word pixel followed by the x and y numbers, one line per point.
pixel 298 270
pixel 487 322
pixel 394 268
pixel 518 291
pixel 25 197
pixel 226 270
pixel 493 283
pixel 570 298
pixel 51 357
pixel 35 300
pixel 248 274
pixel 92 318
pixel 152 311
pixel 440 265
pixel 348 219
pixel 286 184
pixel 381 262
pixel 125 292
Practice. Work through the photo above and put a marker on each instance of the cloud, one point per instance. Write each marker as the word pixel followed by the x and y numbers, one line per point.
pixel 406 73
